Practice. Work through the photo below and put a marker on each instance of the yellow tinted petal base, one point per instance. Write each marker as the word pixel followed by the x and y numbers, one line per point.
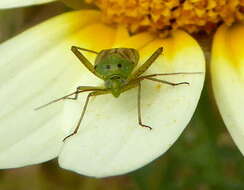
pixel 4 4
pixel 227 70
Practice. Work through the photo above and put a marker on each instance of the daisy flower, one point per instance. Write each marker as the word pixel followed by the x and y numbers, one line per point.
pixel 38 66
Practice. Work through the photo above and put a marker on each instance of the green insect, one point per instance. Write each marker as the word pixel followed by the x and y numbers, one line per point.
pixel 116 67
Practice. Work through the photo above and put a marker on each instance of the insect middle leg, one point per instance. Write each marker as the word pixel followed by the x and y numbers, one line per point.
pixel 94 93
pixel 151 77
pixel 166 82
pixel 171 74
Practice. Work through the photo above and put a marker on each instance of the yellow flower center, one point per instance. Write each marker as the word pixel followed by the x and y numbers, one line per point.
pixel 162 15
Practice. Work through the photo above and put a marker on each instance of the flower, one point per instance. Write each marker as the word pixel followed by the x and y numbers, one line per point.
pixel 14 3
pixel 190 15
pixel 227 71
pixel 194 16
pixel 109 141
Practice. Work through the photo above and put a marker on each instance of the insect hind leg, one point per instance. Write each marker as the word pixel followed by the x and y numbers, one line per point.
pixel 76 93
pixel 79 90
pixel 139 108
pixel 94 93
pixel 81 117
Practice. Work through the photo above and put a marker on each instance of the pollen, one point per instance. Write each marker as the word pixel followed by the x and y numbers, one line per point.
pixel 164 15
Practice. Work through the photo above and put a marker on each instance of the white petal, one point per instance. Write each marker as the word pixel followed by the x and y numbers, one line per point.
pixel 36 67
pixel 110 141
pixel 227 69
pixel 4 4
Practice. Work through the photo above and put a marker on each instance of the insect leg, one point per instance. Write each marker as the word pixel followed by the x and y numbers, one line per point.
pixel 94 93
pixel 84 60
pixel 81 117
pixel 84 49
pixel 139 108
pixel 170 74
pixel 147 64
pixel 166 82
pixel 79 90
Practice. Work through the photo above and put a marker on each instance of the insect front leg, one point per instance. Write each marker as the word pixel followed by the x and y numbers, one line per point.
pixel 84 60
pixel 94 93
pixel 147 64
pixel 84 49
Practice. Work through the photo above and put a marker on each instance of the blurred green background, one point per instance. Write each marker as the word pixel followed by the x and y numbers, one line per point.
pixel 203 158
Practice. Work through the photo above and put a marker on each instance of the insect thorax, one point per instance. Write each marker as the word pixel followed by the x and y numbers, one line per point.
pixel 117 61
pixel 115 66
